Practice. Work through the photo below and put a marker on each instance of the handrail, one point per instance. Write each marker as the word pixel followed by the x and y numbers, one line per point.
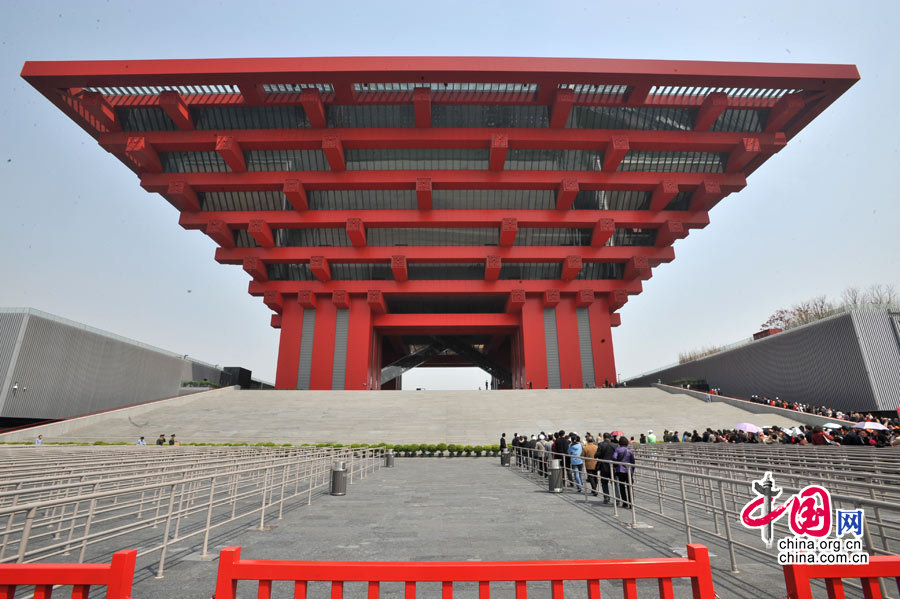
pixel 696 567
pixel 117 577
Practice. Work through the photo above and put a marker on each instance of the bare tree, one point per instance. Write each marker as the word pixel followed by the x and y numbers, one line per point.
pixel 852 297
pixel 819 308
pixel 880 294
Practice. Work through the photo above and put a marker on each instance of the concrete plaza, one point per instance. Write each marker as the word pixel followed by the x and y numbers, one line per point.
pixel 449 509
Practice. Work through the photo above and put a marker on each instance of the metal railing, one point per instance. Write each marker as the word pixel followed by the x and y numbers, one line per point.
pixel 66 501
pixel 702 488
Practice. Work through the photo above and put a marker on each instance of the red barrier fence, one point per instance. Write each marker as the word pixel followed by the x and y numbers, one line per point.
pixel 116 576
pixel 695 566
pixel 797 578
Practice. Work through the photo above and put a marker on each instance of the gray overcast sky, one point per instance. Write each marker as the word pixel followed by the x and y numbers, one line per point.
pixel 82 240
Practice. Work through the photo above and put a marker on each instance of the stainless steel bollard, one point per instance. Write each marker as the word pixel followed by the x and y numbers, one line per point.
pixel 504 457
pixel 556 476
pixel 389 459
pixel 339 478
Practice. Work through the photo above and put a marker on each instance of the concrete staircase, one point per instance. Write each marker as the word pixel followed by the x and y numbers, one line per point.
pixel 470 417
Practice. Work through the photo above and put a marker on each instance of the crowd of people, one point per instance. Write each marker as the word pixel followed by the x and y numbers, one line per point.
pixel 800 435
pixel 824 411
pixel 598 461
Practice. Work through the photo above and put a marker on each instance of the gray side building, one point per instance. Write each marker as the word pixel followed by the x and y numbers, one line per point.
pixel 849 361
pixel 54 368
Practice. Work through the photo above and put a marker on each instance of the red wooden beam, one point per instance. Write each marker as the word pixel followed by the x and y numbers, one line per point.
pixel 314 108
pixel 182 196
pixel 637 267
pixel 466 324
pixel 441 179
pixel 446 288
pixel 398 268
pixel 252 93
pixel 334 153
pixel 617 298
pixel 742 154
pixel 571 267
pixel 602 231
pixel 98 106
pixel 174 105
pixel 230 151
pixel 787 107
pixel 442 137
pixel 509 228
pixel 452 254
pixel 663 194
pixel 320 268
pixel 515 301
pixel 422 106
pixel 261 232
pixel 615 152
pixel 306 298
pixel 424 193
pixel 707 195
pixel 638 93
pixel 563 101
pixel 356 232
pixel 580 219
pixel 492 266
pixel 550 298
pixel 274 300
pixel 375 299
pixel 256 268
pixel 144 155
pixel 275 321
pixel 295 193
pixel 340 298
pixel 585 297
pixel 669 232
pixel 713 107
pixel 221 234
pixel 615 319
pixel 499 147
pixel 565 195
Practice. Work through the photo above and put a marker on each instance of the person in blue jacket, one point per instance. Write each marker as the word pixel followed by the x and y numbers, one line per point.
pixel 575 450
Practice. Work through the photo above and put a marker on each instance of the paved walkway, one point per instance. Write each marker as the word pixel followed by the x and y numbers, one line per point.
pixel 447 509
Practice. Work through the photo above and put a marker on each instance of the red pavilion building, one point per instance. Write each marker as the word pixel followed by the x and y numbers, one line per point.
pixel 397 212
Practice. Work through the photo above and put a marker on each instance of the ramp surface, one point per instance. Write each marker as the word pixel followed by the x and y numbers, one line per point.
pixel 469 417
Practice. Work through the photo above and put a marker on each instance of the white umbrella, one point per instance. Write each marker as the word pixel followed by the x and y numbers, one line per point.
pixel 747 427
pixel 872 426
pixel 796 432
pixel 832 425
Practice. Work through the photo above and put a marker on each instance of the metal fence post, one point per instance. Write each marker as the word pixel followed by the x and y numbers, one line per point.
pixel 687 522
pixel 87 529
pixel 209 509
pixel 165 543
pixel 734 567
pixel 26 532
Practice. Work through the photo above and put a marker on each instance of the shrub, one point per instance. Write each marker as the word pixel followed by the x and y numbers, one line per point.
pixel 431 449
pixel 478 449
pixel 468 449
pixel 495 449
pixel 442 447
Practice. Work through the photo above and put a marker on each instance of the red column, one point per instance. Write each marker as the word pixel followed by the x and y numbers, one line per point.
pixel 289 345
pixel 567 336
pixel 601 342
pixel 323 344
pixel 359 344
pixel 534 348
